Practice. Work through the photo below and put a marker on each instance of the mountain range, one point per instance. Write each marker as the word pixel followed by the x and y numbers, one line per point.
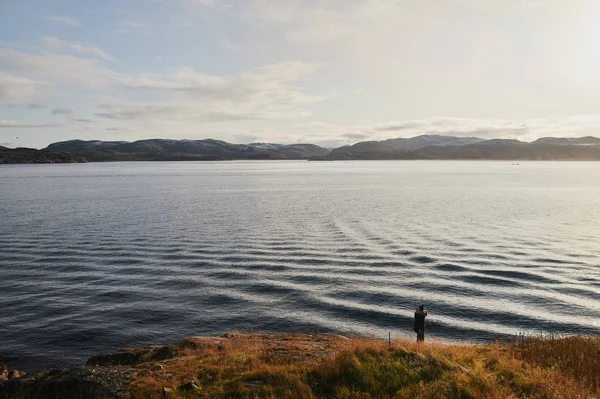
pixel 183 150
pixel 450 147
pixel 419 147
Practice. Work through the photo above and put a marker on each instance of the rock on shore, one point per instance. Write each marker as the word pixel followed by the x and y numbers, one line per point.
pixel 103 376
pixel 10 380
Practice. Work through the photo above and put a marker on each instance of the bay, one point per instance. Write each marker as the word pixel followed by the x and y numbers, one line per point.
pixel 100 256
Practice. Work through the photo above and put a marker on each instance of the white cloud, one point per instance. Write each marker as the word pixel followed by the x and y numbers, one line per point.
pixel 457 126
pixel 14 87
pixel 59 45
pixel 6 123
pixel 229 44
pixel 174 112
pixel 65 20
pixel 266 92
pixel 310 21
pixel 207 4
pixel 270 91
pixel 324 20
pixel 204 3
pixel 66 70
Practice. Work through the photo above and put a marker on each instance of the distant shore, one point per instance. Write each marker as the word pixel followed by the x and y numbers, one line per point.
pixel 423 147
pixel 325 366
pixel 33 156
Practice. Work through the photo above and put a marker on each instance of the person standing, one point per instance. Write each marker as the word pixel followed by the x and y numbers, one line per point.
pixel 419 327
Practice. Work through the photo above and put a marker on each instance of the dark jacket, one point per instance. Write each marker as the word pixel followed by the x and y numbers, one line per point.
pixel 420 319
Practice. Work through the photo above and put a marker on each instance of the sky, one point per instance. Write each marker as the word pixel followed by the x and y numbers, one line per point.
pixel 329 72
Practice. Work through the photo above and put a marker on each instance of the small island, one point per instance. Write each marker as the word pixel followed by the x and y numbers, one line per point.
pixel 281 366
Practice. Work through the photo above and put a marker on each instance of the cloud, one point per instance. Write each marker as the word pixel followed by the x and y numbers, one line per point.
pixel 180 95
pixel 132 26
pixel 14 87
pixel 208 4
pixel 62 111
pixel 525 130
pixel 228 44
pixel 368 21
pixel 356 136
pixel 203 3
pixel 57 44
pixel 174 112
pixel 270 91
pixel 244 138
pixel 60 69
pixel 82 120
pixel 457 126
pixel 6 123
pixel 268 87
pixel 31 106
pixel 325 20
pixel 65 20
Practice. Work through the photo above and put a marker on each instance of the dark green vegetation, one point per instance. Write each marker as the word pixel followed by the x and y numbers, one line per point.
pixel 308 366
pixel 183 150
pixel 30 155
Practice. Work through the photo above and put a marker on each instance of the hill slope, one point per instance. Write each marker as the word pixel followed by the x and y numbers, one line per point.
pixel 588 140
pixel 420 147
pixel 172 150
pixel 30 155
pixel 444 148
pixel 402 144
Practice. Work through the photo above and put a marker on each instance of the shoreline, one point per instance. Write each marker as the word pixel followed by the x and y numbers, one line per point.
pixel 323 366
pixel 305 160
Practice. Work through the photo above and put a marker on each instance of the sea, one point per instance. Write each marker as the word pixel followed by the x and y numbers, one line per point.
pixel 101 256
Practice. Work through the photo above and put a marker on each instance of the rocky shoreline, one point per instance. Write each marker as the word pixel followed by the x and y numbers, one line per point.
pixel 9 379
pixel 103 376
pixel 114 375
pixel 110 375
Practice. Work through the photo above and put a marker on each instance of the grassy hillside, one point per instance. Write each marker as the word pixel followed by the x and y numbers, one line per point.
pixel 304 366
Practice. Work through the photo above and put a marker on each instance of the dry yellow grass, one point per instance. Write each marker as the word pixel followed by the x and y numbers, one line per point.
pixel 305 366
pixel 575 356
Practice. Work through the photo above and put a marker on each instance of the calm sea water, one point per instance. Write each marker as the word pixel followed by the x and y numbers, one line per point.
pixel 97 257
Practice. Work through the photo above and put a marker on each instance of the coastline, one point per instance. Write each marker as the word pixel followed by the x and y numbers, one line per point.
pixel 324 366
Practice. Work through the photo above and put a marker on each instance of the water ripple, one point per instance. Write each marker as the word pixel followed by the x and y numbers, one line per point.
pixel 205 248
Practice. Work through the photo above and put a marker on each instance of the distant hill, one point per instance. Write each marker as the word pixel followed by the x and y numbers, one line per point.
pixel 30 155
pixel 448 148
pixel 385 148
pixel 265 145
pixel 589 140
pixel 419 147
pixel 181 150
